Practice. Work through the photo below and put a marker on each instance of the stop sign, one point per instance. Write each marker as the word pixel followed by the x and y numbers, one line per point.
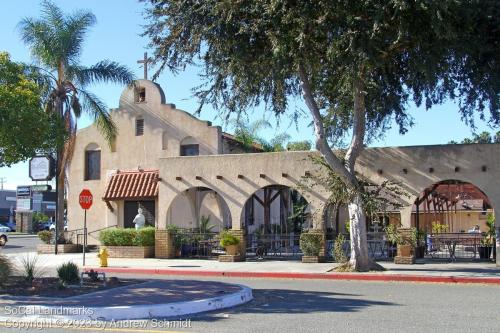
pixel 85 199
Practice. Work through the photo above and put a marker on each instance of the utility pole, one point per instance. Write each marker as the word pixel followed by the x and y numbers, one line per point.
pixel 3 180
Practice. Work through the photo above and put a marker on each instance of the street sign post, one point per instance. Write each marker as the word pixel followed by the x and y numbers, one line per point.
pixel 85 199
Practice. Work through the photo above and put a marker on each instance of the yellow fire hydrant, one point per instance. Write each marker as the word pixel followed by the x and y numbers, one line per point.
pixel 103 257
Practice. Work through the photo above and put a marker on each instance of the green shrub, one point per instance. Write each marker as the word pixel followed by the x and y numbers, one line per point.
pixel 145 237
pixel 45 236
pixel 338 249
pixel 178 234
pixel 117 237
pixel 6 269
pixel 128 237
pixel 310 243
pixel 30 267
pixel 68 273
pixel 227 238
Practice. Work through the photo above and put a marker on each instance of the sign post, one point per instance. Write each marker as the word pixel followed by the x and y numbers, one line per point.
pixel 85 200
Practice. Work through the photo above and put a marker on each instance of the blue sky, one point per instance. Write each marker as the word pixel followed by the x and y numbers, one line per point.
pixel 116 36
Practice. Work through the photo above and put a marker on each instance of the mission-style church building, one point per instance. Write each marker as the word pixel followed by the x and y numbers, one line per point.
pixel 179 169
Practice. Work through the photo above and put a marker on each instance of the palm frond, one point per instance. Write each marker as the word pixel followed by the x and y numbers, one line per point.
pixel 73 33
pixel 280 139
pixel 44 79
pixel 39 37
pixel 76 106
pixel 103 71
pixel 258 125
pixel 92 105
pixel 52 14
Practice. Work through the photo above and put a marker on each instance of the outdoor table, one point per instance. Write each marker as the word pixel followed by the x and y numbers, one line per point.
pixel 451 240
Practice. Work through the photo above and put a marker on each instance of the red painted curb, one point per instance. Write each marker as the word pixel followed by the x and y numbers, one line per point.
pixel 320 276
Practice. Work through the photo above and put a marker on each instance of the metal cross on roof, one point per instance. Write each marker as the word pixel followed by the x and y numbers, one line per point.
pixel 145 61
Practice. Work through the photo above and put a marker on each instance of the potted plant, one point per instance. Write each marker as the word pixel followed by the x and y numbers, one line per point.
pixel 178 235
pixel 229 242
pixel 393 236
pixel 488 241
pixel 405 242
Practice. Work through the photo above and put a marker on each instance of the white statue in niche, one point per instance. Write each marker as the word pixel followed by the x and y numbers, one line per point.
pixel 139 219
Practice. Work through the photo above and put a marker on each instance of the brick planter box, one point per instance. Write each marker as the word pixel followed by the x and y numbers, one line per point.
pixel 312 259
pixel 61 248
pixel 230 258
pixel 130 251
pixel 404 260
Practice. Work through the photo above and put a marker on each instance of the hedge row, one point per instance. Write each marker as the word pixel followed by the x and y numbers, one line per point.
pixel 128 237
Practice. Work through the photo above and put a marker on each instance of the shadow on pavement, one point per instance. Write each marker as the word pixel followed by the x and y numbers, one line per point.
pixel 281 301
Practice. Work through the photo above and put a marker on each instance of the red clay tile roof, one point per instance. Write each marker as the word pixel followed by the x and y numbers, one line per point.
pixel 132 185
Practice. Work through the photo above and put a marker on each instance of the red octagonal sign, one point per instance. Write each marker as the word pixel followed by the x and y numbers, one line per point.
pixel 85 199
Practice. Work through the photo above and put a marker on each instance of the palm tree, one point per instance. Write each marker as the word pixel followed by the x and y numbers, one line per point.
pixel 248 135
pixel 56 41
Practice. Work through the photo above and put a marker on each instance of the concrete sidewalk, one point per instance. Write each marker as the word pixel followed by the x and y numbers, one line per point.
pixel 479 272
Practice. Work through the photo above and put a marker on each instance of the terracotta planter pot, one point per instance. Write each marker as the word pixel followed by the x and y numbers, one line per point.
pixel 404 250
pixel 231 250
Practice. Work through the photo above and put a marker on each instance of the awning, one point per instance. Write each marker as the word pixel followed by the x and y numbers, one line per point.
pixel 132 185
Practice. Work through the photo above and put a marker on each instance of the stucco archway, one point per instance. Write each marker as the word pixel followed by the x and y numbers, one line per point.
pixel 188 207
pixel 451 202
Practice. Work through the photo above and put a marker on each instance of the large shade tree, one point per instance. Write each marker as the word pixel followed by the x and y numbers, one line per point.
pixel 25 129
pixel 356 64
pixel 56 43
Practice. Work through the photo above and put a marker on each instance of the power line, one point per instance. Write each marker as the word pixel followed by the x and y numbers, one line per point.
pixel 3 180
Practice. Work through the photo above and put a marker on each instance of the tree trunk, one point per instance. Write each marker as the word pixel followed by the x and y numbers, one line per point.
pixel 60 202
pixel 359 246
pixel 360 259
pixel 60 174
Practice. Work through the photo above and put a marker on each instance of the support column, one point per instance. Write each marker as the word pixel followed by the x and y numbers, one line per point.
pixel 164 244
pixel 498 242
pixel 318 219
pixel 405 213
pixel 24 221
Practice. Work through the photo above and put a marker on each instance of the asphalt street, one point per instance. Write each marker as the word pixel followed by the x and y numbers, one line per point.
pixel 20 244
pixel 318 306
pixel 335 306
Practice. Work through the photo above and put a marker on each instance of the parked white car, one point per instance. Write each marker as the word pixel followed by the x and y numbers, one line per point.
pixel 3 238
pixel 4 228
pixel 53 227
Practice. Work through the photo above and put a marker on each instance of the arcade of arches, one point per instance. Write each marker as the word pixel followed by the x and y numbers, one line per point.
pixel 264 190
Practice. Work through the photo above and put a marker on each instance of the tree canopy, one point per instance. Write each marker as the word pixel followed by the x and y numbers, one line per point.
pixel 408 50
pixel 357 65
pixel 483 137
pixel 298 145
pixel 25 129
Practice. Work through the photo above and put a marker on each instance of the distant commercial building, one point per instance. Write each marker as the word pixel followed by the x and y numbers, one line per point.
pixel 7 205
pixel 35 199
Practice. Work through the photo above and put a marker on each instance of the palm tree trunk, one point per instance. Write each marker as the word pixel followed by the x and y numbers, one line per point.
pixel 60 174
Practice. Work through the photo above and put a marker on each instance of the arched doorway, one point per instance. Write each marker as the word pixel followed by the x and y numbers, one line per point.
pixel 273 218
pixel 455 220
pixel 197 216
